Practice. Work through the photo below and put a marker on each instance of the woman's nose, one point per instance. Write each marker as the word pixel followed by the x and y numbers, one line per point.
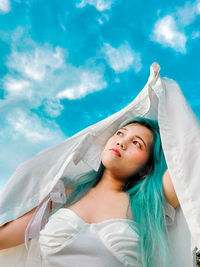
pixel 122 145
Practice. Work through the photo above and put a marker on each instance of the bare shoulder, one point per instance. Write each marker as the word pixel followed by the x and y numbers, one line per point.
pixel 169 192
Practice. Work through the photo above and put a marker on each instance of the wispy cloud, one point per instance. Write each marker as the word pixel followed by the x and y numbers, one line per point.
pixel 28 125
pixel 170 29
pixel 15 86
pixel 122 58
pixel 38 77
pixel 35 64
pixel 188 13
pixel 32 77
pixel 4 6
pixel 21 125
pixel 166 33
pixel 42 76
pixel 100 5
pixel 52 107
pixel 88 81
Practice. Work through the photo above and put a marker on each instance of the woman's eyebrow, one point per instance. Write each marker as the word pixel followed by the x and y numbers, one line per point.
pixel 137 137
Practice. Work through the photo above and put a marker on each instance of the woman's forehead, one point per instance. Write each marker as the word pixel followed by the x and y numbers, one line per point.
pixel 143 131
pixel 135 126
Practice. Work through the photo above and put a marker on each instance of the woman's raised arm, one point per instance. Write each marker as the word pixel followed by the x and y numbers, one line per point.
pixel 169 192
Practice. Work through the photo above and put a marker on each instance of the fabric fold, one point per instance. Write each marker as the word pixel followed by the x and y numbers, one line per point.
pixel 41 214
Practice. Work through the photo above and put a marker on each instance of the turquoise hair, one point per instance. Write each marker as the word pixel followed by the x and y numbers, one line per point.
pixel 148 201
pixel 146 198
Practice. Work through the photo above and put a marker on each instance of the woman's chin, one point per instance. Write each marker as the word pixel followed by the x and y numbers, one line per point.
pixel 110 164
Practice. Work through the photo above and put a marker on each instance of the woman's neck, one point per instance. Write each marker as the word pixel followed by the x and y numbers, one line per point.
pixel 109 183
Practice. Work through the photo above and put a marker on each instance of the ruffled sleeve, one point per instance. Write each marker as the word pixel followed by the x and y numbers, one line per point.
pixel 57 233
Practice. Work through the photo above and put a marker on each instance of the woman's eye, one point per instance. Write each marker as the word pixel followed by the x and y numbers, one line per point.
pixel 119 132
pixel 137 143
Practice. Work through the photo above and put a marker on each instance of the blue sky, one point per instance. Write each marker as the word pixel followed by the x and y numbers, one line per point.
pixel 68 64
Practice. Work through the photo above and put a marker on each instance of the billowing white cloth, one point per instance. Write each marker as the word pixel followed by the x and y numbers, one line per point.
pixel 160 99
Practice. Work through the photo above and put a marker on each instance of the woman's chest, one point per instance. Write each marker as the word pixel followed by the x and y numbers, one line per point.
pixel 96 207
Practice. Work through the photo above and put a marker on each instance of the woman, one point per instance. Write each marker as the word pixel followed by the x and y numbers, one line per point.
pixel 127 190
pixel 132 171
pixel 81 154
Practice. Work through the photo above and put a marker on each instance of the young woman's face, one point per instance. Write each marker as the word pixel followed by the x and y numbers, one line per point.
pixel 127 151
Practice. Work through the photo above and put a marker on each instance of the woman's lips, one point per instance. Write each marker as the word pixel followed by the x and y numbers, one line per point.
pixel 116 152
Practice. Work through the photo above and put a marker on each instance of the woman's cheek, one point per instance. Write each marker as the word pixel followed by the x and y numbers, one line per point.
pixel 137 156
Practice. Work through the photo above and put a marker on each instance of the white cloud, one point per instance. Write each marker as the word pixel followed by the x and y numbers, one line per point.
pixel 100 5
pixel 166 33
pixel 53 107
pixel 36 75
pixel 42 77
pixel 122 58
pixel 29 126
pixel 88 82
pixel 4 6
pixel 15 86
pixel 169 30
pixel 35 64
pixel 32 76
pixel 188 13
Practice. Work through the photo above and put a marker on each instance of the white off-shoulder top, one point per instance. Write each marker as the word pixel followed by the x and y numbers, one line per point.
pixel 67 240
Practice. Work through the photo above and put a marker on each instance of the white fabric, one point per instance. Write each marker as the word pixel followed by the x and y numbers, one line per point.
pixel 21 258
pixel 161 99
pixel 41 214
pixel 66 238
